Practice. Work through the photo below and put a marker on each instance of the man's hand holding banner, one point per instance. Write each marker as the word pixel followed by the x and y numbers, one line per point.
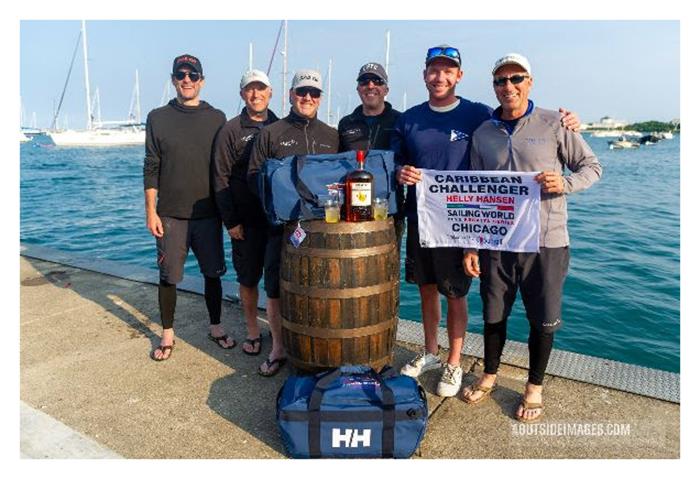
pixel 496 210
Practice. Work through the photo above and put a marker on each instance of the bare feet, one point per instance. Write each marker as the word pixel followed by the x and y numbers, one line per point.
pixel 217 331
pixel 480 389
pixel 166 344
pixel 533 397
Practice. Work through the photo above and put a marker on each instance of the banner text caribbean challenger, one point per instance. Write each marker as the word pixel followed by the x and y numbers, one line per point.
pixel 496 210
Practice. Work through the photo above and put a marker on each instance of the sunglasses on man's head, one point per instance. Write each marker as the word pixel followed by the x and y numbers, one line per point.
pixel 180 75
pixel 443 51
pixel 515 80
pixel 303 91
pixel 364 81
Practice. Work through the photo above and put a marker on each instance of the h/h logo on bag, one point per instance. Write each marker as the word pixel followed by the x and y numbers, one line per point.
pixel 351 437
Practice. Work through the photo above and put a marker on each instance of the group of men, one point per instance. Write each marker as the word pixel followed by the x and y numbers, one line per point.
pixel 203 171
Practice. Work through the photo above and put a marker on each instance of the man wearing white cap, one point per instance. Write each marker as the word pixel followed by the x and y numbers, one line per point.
pixel 299 133
pixel 522 137
pixel 240 209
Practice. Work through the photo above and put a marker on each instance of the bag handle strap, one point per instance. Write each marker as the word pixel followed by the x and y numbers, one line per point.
pixel 314 409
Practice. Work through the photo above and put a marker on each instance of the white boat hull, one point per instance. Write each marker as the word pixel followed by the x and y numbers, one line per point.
pixel 99 137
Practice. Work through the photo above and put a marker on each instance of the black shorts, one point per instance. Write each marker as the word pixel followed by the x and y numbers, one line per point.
pixel 204 236
pixel 540 278
pixel 440 266
pixel 259 251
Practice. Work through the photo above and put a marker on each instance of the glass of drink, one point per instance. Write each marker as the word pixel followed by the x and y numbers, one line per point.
pixel 380 208
pixel 332 207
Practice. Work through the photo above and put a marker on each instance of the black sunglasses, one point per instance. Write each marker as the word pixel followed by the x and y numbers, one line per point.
pixel 515 80
pixel 180 75
pixel 364 81
pixel 305 90
pixel 443 51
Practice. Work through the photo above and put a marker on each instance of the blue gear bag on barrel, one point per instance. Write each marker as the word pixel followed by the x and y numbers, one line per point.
pixel 296 187
pixel 352 412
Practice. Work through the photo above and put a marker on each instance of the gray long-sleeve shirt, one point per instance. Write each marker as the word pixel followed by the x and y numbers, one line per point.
pixel 539 143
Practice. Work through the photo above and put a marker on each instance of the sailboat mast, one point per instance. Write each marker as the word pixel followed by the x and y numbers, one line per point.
pixel 250 56
pixel 138 99
pixel 328 96
pixel 284 72
pixel 87 78
pixel 386 56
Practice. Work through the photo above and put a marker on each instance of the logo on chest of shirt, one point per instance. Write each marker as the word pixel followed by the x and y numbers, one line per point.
pixel 247 138
pixel 353 131
pixel 289 142
pixel 456 135
pixel 535 141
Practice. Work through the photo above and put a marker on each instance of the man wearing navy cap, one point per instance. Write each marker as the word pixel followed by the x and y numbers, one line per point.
pixel 371 124
pixel 180 208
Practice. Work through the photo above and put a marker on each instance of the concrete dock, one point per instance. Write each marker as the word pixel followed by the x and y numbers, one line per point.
pixel 87 379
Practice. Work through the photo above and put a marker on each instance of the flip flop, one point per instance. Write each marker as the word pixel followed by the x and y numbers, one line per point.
pixel 253 342
pixel 223 338
pixel 529 406
pixel 486 390
pixel 271 369
pixel 162 350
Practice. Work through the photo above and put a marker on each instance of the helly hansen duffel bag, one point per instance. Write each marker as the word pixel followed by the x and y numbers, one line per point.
pixel 352 412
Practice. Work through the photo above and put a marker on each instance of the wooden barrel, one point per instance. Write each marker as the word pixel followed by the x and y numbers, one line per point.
pixel 339 294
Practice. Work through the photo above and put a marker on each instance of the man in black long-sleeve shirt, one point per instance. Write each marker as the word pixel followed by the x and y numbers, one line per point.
pixel 299 133
pixel 371 124
pixel 176 171
pixel 240 209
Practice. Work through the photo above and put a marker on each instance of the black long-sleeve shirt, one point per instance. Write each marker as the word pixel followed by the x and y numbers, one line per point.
pixel 179 143
pixel 237 204
pixel 360 132
pixel 292 135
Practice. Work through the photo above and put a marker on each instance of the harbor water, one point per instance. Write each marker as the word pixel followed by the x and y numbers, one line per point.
pixel 621 298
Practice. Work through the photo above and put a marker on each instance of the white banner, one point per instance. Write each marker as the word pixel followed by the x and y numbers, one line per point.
pixel 496 210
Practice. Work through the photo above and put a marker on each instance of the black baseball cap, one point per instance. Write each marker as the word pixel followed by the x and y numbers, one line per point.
pixel 189 60
pixel 373 69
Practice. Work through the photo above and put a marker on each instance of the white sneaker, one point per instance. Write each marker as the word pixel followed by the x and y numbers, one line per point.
pixel 425 361
pixel 450 382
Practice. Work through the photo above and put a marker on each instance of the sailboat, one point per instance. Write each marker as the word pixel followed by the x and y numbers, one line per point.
pixel 97 133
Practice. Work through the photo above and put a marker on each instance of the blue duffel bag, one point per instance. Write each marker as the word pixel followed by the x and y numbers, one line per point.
pixel 352 412
pixel 296 187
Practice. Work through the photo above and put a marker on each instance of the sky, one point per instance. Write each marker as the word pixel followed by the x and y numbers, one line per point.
pixel 626 69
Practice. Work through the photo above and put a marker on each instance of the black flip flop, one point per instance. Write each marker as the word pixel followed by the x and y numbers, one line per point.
pixel 223 338
pixel 271 370
pixel 162 350
pixel 253 342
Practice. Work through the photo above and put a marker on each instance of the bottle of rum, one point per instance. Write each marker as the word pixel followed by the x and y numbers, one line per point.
pixel 359 192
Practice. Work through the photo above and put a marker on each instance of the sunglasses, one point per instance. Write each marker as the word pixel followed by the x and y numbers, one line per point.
pixel 194 76
pixel 364 81
pixel 515 80
pixel 303 91
pixel 443 52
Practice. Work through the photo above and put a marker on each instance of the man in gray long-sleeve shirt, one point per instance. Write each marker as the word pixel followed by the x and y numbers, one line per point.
pixel 521 137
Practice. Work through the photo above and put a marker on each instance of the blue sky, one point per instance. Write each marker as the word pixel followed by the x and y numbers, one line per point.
pixel 626 69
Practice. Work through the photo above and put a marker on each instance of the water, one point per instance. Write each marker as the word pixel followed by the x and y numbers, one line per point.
pixel 621 298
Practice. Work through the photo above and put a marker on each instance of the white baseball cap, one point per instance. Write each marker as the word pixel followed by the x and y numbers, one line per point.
pixel 512 59
pixel 310 78
pixel 254 75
